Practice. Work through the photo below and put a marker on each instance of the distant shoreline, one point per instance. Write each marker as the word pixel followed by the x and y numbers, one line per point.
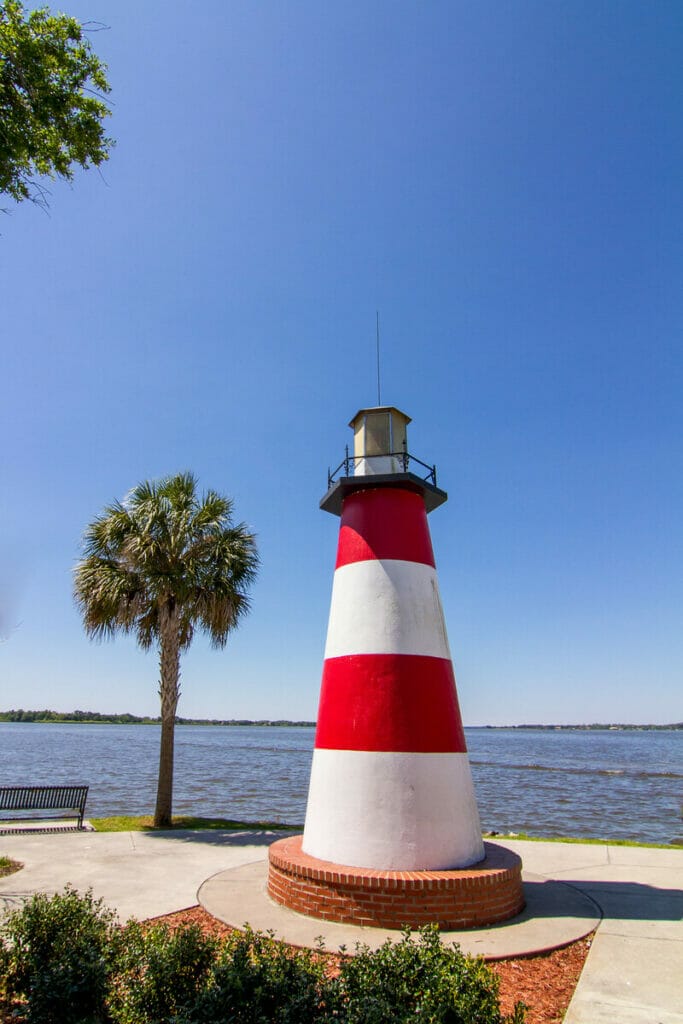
pixel 97 718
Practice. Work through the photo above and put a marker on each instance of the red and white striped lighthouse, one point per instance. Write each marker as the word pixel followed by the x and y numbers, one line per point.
pixel 391 786
pixel 392 834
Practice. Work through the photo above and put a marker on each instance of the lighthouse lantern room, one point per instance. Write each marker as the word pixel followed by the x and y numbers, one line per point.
pixel 380 450
pixel 380 442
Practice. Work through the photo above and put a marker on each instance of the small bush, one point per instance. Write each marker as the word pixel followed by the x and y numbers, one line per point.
pixel 9 866
pixel 257 980
pixel 55 956
pixel 420 982
pixel 159 973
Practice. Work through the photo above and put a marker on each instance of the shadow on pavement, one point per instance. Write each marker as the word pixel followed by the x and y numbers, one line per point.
pixel 218 837
pixel 632 901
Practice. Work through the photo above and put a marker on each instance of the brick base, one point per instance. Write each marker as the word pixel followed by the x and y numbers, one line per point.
pixel 484 894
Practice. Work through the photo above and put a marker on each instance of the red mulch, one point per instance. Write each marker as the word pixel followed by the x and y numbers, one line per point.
pixel 545 982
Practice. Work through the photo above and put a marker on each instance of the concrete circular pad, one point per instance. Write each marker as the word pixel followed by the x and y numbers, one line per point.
pixel 555 915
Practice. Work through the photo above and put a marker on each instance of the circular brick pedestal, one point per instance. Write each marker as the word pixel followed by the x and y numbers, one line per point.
pixel 474 897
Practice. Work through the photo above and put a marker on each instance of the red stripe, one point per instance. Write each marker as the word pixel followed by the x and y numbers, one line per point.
pixel 384 522
pixel 393 702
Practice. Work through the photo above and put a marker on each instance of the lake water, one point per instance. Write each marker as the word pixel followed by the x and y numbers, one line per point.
pixel 611 784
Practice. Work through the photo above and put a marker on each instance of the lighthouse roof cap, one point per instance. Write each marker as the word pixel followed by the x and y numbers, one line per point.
pixel 379 408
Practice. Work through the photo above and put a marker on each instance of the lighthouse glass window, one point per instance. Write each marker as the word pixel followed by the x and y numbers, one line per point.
pixel 378 433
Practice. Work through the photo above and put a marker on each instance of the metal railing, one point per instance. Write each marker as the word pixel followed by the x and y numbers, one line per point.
pixel 348 465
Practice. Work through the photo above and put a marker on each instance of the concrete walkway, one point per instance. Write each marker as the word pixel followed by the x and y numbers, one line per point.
pixel 137 874
pixel 634 970
pixel 633 974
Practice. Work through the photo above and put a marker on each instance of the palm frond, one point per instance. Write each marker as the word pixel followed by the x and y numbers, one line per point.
pixel 162 545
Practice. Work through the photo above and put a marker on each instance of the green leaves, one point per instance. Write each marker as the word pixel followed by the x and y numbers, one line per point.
pixel 420 981
pixel 56 953
pixel 164 548
pixel 160 973
pixel 52 108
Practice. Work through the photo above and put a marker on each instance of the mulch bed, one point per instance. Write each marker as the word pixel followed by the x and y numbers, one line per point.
pixel 545 982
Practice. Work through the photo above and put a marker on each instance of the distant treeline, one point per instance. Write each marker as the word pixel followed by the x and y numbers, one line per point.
pixel 595 726
pixel 127 719
pixel 96 717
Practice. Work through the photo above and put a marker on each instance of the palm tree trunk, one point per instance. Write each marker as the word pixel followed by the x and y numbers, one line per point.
pixel 169 691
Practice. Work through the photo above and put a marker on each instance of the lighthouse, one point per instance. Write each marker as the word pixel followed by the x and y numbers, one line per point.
pixel 392 833
pixel 391 785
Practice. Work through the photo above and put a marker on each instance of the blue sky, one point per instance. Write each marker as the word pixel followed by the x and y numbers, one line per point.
pixel 502 181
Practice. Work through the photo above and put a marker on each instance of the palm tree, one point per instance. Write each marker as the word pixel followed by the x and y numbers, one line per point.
pixel 160 564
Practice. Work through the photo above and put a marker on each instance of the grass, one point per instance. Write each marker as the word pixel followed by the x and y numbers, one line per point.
pixel 145 824
pixel 586 840
pixel 8 866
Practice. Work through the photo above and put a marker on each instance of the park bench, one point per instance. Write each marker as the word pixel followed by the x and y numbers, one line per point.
pixel 26 800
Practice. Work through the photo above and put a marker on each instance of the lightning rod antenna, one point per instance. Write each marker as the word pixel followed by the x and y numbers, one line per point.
pixel 379 397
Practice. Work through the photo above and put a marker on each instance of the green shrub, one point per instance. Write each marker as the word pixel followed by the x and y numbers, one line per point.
pixel 420 982
pixel 160 974
pixel 257 980
pixel 9 866
pixel 56 954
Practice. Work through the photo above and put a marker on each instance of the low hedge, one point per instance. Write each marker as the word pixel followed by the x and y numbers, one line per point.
pixel 64 960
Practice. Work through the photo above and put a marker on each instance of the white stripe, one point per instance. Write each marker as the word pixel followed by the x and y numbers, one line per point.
pixel 386 606
pixel 401 812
